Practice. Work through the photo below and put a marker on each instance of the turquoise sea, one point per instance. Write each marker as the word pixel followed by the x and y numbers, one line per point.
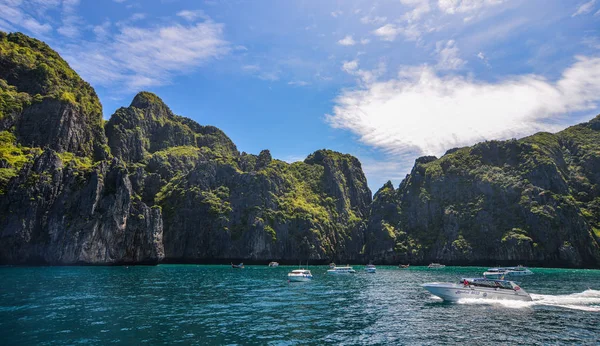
pixel 215 304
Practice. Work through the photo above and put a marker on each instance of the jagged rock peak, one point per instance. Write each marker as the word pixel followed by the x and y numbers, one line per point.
pixel 321 155
pixel 146 99
pixel 425 159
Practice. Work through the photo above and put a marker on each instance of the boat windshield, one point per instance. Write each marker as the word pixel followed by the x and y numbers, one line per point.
pixel 487 283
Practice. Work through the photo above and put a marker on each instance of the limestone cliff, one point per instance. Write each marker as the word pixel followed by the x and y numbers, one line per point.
pixel 534 200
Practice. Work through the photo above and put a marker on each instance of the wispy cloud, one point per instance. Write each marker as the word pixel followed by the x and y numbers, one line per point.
pixel 71 22
pixel 347 41
pixel 448 56
pixel 192 15
pixel 373 20
pixel 484 59
pixel 298 83
pixel 421 112
pixel 464 6
pixel 364 76
pixel 388 32
pixel 584 8
pixel 138 57
pixel 13 15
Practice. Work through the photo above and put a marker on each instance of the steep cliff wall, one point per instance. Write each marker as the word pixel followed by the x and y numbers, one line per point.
pixel 534 201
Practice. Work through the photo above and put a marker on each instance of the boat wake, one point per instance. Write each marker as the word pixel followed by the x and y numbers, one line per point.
pixel 588 300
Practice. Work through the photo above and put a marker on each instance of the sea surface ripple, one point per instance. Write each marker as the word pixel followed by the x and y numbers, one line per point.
pixel 212 304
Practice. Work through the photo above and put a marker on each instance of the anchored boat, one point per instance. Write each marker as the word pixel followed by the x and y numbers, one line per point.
pixel 298 275
pixel 341 270
pixel 482 288
pixel 498 273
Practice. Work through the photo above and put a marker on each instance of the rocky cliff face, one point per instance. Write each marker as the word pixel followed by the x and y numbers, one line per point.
pixel 152 186
pixel 533 201
pixel 62 199
pixel 57 213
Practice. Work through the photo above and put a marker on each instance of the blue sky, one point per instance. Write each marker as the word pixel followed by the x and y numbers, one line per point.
pixel 386 81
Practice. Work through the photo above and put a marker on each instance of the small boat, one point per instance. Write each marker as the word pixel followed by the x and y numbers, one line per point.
pixel 403 266
pixel 273 264
pixel 298 275
pixel 331 265
pixel 370 268
pixel 341 270
pixel 481 288
pixel 237 266
pixel 495 273
pixel 519 271
pixel 436 266
pixel 500 273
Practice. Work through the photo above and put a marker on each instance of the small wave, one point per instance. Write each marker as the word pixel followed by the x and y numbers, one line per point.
pixel 588 300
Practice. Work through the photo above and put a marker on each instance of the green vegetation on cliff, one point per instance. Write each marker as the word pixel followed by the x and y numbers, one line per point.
pixel 517 200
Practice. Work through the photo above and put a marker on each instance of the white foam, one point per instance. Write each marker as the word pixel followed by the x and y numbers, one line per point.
pixel 588 300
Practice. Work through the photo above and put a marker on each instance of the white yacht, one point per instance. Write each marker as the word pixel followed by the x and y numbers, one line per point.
pixel 273 264
pixel 481 288
pixel 370 268
pixel 300 275
pixel 499 273
pixel 436 266
pixel 341 270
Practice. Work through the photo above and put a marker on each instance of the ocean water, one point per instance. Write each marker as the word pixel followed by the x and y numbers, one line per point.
pixel 211 304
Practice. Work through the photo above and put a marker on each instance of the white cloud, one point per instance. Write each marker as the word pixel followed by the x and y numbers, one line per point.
pixel 420 7
pixel 71 23
pixel 448 58
pixel 12 15
pixel 365 41
pixel 465 6
pixel 421 112
pixel 347 41
pixel 364 76
pixel 336 14
pixel 373 20
pixel 192 15
pixel 36 27
pixel 298 83
pixel 484 59
pixel 141 57
pixel 388 32
pixel 349 66
pixel 584 8
pixel 251 68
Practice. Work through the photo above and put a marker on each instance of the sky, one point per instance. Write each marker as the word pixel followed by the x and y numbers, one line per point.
pixel 385 81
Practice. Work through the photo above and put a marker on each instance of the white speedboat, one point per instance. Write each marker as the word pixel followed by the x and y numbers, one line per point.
pixel 519 271
pixel 436 266
pixel 300 275
pixel 481 288
pixel 273 264
pixel 341 270
pixel 496 273
pixel 500 273
pixel 370 268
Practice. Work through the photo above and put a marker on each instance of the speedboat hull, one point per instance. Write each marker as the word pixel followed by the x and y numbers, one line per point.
pixel 453 292
pixel 495 275
pixel 299 278
pixel 371 270
pixel 341 272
